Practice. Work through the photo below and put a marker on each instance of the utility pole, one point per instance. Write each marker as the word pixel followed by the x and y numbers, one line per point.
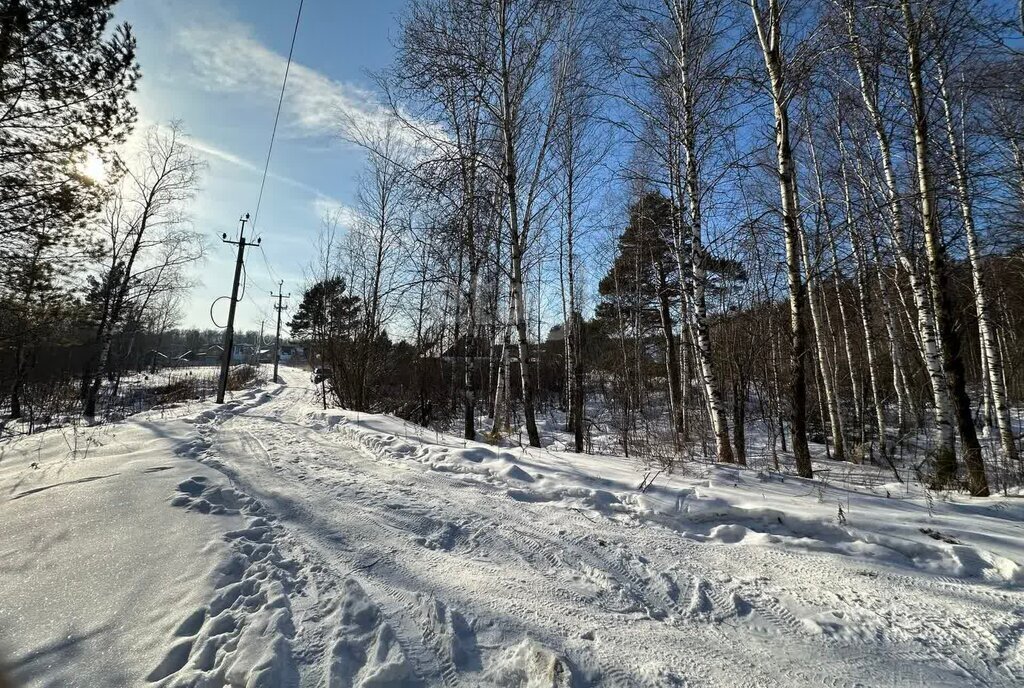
pixel 259 344
pixel 229 333
pixel 279 307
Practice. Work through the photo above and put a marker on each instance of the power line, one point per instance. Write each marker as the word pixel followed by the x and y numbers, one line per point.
pixel 270 271
pixel 240 267
pixel 245 277
pixel 277 116
pixel 215 323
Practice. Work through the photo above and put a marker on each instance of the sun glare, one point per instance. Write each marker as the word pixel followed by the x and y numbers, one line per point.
pixel 94 169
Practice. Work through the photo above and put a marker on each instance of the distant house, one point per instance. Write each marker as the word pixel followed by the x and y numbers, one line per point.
pixel 244 353
pixel 214 354
pixel 211 355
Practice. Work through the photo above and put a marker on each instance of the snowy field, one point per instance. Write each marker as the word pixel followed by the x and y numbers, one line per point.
pixel 266 542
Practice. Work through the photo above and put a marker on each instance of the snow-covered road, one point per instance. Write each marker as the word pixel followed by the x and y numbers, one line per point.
pixel 339 552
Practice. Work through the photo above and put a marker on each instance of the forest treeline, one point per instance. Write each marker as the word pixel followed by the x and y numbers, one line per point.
pixel 797 219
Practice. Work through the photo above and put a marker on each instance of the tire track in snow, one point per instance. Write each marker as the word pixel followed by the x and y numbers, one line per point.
pixel 632 559
pixel 427 654
pixel 509 511
pixel 585 547
pixel 769 606
pixel 419 643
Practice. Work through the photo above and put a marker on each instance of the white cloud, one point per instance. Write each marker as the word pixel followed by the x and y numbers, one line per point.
pixel 212 151
pixel 229 59
pixel 333 210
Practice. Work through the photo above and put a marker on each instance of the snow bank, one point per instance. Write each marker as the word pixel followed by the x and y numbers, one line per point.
pixel 956 538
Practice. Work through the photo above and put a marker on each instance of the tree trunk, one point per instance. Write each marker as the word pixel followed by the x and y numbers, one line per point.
pixel 825 370
pixel 864 306
pixel 515 229
pixel 684 377
pixel 668 329
pixel 469 378
pixel 573 341
pixel 19 376
pixel 771 38
pixel 739 418
pixel 992 366
pixel 844 322
pixel 691 267
pixel 501 387
pixel 892 330
pixel 946 449
pixel 469 388
pixel 938 279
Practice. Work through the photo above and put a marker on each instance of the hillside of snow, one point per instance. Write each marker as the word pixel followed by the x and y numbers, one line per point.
pixel 266 542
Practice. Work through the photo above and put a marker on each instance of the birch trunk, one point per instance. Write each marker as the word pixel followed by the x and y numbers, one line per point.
pixel 693 268
pixel 770 38
pixel 684 377
pixel 469 386
pixel 566 344
pixel 899 375
pixel 516 230
pixel 928 344
pixel 668 332
pixel 991 363
pixel 844 321
pixel 501 393
pixel 938 278
pixel 573 341
pixel 825 373
pixel 988 404
pixel 864 306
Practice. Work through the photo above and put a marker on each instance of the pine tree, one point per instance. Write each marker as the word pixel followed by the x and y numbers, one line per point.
pixel 64 86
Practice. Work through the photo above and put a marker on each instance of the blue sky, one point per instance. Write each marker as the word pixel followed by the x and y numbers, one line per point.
pixel 217 66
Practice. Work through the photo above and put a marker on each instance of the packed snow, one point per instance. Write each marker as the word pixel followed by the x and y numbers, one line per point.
pixel 267 542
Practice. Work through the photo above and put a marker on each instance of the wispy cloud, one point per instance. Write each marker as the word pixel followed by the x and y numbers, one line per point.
pixel 229 59
pixel 333 210
pixel 211 151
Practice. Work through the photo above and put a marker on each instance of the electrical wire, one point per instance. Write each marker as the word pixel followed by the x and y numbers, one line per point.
pixel 261 308
pixel 270 270
pixel 266 168
pixel 215 323
pixel 245 278
pixel 277 116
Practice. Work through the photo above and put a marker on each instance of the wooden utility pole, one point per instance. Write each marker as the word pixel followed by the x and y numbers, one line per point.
pixel 259 344
pixel 229 332
pixel 277 340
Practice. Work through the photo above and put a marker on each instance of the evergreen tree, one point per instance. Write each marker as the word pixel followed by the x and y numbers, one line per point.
pixel 326 311
pixel 644 274
pixel 64 86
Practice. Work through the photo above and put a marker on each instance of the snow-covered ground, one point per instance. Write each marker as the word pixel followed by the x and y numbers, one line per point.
pixel 266 542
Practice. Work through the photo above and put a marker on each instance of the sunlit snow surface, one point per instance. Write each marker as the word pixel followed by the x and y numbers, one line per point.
pixel 268 543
